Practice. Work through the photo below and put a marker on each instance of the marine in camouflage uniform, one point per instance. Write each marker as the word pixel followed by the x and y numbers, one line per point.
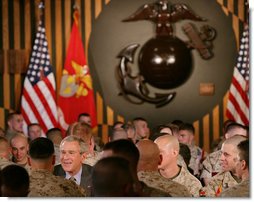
pixel 147 191
pixel 181 162
pixel 211 165
pixel 240 190
pixel 91 159
pixel 219 183
pixel 196 157
pixel 44 183
pixel 189 181
pixel 4 162
pixel 154 179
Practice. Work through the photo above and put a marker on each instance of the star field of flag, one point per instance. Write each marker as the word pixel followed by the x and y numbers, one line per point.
pixel 39 61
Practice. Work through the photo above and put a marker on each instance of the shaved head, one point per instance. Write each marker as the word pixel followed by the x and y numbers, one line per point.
pixel 168 141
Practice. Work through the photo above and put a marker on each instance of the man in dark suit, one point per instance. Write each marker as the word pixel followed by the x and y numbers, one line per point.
pixel 73 151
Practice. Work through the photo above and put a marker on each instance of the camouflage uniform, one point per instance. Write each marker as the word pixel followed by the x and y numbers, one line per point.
pixel 240 190
pixel 196 157
pixel 181 162
pixel 91 159
pixel 57 154
pixel 219 183
pixel 211 165
pixel 152 192
pixel 189 181
pixel 154 179
pixel 4 162
pixel 44 183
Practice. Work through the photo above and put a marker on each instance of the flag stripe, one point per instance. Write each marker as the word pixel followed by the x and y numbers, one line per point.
pixel 46 100
pixel 38 101
pixel 238 100
pixel 241 112
pixel 34 109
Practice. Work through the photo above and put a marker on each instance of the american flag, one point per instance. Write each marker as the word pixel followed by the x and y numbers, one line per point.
pixel 38 103
pixel 238 102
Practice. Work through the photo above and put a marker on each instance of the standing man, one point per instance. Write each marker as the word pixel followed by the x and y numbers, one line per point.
pixel 186 136
pixel 142 129
pixel 34 131
pixel 14 125
pixel 85 118
pixel 72 153
pixel 19 148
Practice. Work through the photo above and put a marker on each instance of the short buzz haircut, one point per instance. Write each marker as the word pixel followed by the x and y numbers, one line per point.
pixel 125 148
pixel 41 148
pixel 110 176
pixel 16 180
pixel 12 114
pixel 235 125
pixel 243 148
pixel 139 119
pixel 188 127
pixel 83 114
pixel 33 124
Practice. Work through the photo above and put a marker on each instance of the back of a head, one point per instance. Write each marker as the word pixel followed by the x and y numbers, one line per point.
pixel 124 148
pixel 111 177
pixel 55 135
pixel 148 150
pixel 82 130
pixel 4 148
pixel 243 148
pixel 185 153
pixel 14 181
pixel 118 133
pixel 236 129
pixel 41 148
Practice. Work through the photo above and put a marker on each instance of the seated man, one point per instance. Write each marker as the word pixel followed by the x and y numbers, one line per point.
pixel 111 177
pixel 227 178
pixel 242 172
pixel 169 150
pixel 42 180
pixel 14 181
pixel 73 151
pixel 148 170
pixel 127 149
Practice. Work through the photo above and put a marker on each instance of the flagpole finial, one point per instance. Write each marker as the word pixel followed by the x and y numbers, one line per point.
pixel 41 5
pixel 76 6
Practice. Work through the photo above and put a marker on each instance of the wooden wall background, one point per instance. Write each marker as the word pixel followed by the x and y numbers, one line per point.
pixel 18 24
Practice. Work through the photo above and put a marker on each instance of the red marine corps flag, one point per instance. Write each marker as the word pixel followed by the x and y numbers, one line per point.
pixel 76 92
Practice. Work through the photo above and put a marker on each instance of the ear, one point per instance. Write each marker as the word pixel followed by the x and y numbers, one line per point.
pixel 243 165
pixel 160 159
pixel 83 156
pixel 53 160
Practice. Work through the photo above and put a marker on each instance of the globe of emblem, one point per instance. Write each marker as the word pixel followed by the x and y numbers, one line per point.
pixel 165 62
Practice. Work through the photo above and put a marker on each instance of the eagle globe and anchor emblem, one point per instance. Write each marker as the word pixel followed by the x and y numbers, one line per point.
pixel 165 61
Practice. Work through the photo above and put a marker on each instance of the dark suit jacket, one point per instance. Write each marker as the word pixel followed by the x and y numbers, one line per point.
pixel 85 181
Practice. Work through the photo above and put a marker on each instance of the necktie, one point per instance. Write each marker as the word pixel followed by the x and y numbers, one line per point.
pixel 72 179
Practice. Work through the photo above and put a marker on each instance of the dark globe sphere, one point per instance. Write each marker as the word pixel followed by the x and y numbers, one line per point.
pixel 165 62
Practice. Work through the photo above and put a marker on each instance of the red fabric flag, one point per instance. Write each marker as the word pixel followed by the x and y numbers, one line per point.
pixel 38 103
pixel 238 101
pixel 76 91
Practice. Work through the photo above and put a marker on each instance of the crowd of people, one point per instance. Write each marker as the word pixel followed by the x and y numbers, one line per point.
pixel 135 162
